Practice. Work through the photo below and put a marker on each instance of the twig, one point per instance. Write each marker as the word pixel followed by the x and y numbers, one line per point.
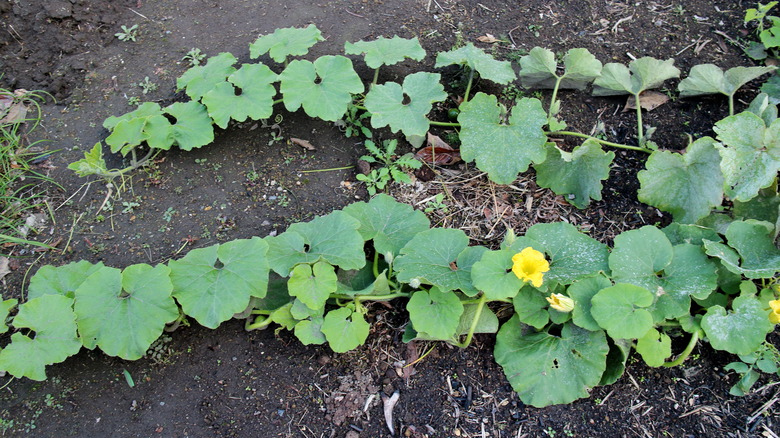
pixel 389 404
pixel 142 15
pixel 510 35
pixel 352 13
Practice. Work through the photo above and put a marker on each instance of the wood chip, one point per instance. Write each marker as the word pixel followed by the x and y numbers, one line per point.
pixel 303 143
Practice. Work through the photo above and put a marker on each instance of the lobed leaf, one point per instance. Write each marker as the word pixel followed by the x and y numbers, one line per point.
pixel 500 72
pixel 573 255
pixel 5 309
pixel 200 79
pixel 654 347
pixel 706 79
pixel 255 101
pixel 640 75
pixel 92 163
pixel 384 51
pixel 687 185
pixel 192 128
pixel 386 103
pixel 309 331
pixel 740 331
pixel 493 275
pixel 577 174
pixel 539 69
pixel 312 285
pixel 622 310
pixel 290 41
pixel 531 307
pixel 502 150
pixel 344 329
pixel 435 313
pixel 752 242
pixel 432 257
pixel 61 280
pixel 582 292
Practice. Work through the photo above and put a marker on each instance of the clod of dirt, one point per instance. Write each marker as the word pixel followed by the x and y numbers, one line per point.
pixel 350 398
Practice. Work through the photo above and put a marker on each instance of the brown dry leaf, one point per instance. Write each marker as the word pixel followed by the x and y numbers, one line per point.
pixel 437 152
pixel 488 38
pixel 648 100
pixel 16 113
pixel 303 143
pixel 4 269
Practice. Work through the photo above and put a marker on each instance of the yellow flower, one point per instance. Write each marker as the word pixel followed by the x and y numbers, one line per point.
pixel 774 317
pixel 561 303
pixel 530 265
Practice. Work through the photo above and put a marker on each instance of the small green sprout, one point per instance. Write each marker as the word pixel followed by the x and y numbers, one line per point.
pixel 127 34
pixel 194 57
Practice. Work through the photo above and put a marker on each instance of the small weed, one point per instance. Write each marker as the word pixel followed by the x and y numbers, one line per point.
pixel 253 175
pixel 393 167
pixel 168 214
pixel 274 138
pixel 355 122
pixel 201 161
pixel 549 432
pixel 133 100
pixel 194 57
pixel 147 86
pixel 128 33
pixel 437 205
pixel 534 29
pixel 129 206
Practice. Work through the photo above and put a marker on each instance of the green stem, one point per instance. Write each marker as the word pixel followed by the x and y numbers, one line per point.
pixel 687 352
pixel 361 298
pixel 604 142
pixel 136 164
pixel 454 124
pixel 376 77
pixel 260 322
pixel 554 96
pixel 375 268
pixel 468 86
pixel 640 129
pixel 474 322
pixel 277 101
pixel 731 104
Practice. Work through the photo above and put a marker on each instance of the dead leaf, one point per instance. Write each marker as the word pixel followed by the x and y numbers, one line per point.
pixel 303 143
pixel 4 269
pixel 438 152
pixel 648 100
pixel 490 39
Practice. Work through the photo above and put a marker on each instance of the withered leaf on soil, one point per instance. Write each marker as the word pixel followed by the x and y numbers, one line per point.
pixel 438 152
pixel 12 111
pixel 648 100
pixel 303 143
pixel 4 269
pixel 488 38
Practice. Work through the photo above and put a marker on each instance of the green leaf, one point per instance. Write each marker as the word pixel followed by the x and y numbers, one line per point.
pixel 710 79
pixel 123 312
pixel 640 75
pixel 300 311
pixel 573 255
pixel 493 275
pixel 333 238
pixel 389 223
pixel 741 331
pixel 619 350
pixel 763 106
pixel 539 69
pixel 654 347
pixel 577 174
pixel 312 284
pixel 345 330
pixel 753 242
pixel 764 207
pixel 199 80
pixel 387 106
pixel 289 41
pixel 487 323
pixel 5 309
pixel 310 331
pixel 435 313
pixel 638 254
pixel 678 233
pixel 255 100
pixel 193 127
pixel 687 185
pixel 621 310
pixel 324 87
pixel 750 154
pixel 531 307
pixel 431 258
pixel 214 283
pixel 384 51
pixel 582 292
pixel 545 369
pixel 54 323
pixel 61 280
pixel 690 275
pixel 502 150
pixel 500 72
pixel 147 123
pixel 92 163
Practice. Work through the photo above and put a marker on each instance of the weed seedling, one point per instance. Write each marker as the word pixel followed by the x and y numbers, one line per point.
pixel 194 57
pixel 128 33
pixel 393 167
pixel 147 86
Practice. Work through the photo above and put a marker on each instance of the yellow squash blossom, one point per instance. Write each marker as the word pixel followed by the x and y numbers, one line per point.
pixel 561 303
pixel 530 265
pixel 774 317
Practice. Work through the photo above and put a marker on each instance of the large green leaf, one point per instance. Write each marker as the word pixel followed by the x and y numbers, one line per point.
pixel 750 154
pixel 753 242
pixel 545 369
pixel 622 310
pixel 324 87
pixel 214 283
pixel 345 329
pixel 199 80
pixel 500 72
pixel 254 84
pixel 502 150
pixel 333 238
pixel 193 127
pixel 531 307
pixel 687 233
pixel 691 274
pixel 654 347
pixel 312 284
pixel 388 104
pixel 389 223
pixel 573 255
pixel 52 319
pixel 435 313
pixel 145 124
pixel 710 79
pixel 687 185
pixel 61 280
pixel 431 258
pixel 539 69
pixel 640 75
pixel 639 254
pixel 309 331
pixel 123 312
pixel 384 51
pixel 493 275
pixel 582 292
pixel 92 163
pixel 577 174
pixel 740 331
pixel 289 41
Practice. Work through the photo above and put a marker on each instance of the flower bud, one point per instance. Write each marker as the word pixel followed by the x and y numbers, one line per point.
pixel 561 303
pixel 774 315
pixel 414 283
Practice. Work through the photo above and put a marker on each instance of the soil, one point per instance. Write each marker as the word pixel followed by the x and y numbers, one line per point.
pixel 228 382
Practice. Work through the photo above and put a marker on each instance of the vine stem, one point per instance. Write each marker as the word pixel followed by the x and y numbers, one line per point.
pixel 453 124
pixel 468 86
pixel 554 96
pixel 604 142
pixel 361 298
pixel 474 322
pixel 376 77
pixel 264 322
pixel 731 104
pixel 277 101
pixel 687 352
pixel 639 127
pixel 136 164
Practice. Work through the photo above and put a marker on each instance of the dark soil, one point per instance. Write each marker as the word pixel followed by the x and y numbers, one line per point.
pixel 200 383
